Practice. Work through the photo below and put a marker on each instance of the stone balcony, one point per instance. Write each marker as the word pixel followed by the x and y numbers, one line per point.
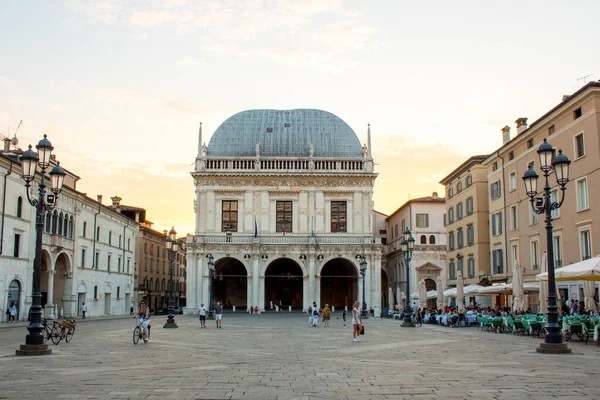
pixel 280 239
pixel 284 164
pixel 58 242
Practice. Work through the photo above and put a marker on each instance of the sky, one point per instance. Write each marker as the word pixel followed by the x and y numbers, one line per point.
pixel 120 87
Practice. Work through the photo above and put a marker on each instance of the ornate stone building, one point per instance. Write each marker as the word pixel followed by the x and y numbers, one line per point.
pixel 283 208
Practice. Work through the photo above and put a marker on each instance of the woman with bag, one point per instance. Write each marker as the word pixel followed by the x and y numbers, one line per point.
pixel 356 322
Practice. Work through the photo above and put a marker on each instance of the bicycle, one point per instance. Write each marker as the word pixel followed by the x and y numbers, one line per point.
pixel 138 333
pixel 50 331
pixel 66 329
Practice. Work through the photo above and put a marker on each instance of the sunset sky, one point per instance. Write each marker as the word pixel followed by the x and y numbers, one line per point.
pixel 120 86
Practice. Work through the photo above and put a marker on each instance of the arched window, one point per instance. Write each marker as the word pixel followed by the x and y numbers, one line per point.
pixel 83 231
pixel 48 226
pixel 431 239
pixel 423 239
pixel 164 285
pixel 60 224
pixel 65 231
pixel 19 207
pixel 71 222
pixel 146 283
pixel 54 221
pixel 157 287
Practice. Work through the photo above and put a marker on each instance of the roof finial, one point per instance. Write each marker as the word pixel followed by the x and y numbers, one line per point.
pixel 369 155
pixel 200 140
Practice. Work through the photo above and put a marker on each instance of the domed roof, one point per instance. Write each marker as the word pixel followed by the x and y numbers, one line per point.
pixel 284 133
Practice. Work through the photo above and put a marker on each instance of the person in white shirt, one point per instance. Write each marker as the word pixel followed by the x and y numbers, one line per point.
pixel 356 322
pixel 315 314
pixel 83 310
pixel 202 314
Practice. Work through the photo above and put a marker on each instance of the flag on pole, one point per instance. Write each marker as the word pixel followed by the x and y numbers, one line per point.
pixel 255 228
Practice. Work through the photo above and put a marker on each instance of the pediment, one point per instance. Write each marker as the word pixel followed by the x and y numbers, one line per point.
pixel 429 268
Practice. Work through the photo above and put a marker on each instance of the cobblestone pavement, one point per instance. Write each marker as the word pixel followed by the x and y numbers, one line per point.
pixel 281 357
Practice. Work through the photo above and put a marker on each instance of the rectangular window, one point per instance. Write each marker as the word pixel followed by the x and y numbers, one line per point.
pixel 470 235
pixel 497 223
pixel 530 143
pixel 471 267
pixel 108 263
pixel 118 292
pixel 460 238
pixel 514 249
pixel 82 258
pixel 511 156
pixel 582 195
pixel 497 261
pixel 514 218
pixel 287 125
pixel 396 229
pixel 469 203
pixel 577 113
pixel 451 241
pixel 17 245
pixel 513 181
pixel 444 220
pixel 459 211
pixel 128 266
pixel 495 190
pixel 452 270
pixel 585 244
pixel 495 166
pixel 533 216
pixel 119 265
pixel 284 216
pixel 229 216
pixel 152 265
pixel 269 130
pixel 551 130
pixel 460 265
pixel 95 292
pixel 338 216
pixel 557 251
pixel 554 199
pixel 579 146
pixel 535 254
pixel 422 220
pixel 96 260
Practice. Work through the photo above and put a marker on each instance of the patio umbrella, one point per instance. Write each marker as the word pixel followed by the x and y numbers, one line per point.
pixel 472 289
pixel 517 287
pixel 398 296
pixel 460 295
pixel 589 289
pixel 422 294
pixel 390 298
pixel 543 297
pixel 587 270
pixel 450 292
pixel 495 289
pixel 440 293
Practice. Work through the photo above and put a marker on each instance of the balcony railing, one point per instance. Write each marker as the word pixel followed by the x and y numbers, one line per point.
pixel 59 241
pixel 288 239
pixel 281 164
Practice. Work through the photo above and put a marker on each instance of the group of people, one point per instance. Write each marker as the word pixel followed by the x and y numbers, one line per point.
pixel 577 307
pixel 316 313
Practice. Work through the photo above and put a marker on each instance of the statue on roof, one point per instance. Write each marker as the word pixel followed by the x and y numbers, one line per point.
pixel 311 150
pixel 257 149
pixel 204 149
pixel 364 151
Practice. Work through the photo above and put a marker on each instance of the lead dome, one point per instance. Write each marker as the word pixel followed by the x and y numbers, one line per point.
pixel 284 133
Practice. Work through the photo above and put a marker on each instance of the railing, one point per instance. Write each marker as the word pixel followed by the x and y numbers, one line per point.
pixel 288 239
pixel 52 239
pixel 282 164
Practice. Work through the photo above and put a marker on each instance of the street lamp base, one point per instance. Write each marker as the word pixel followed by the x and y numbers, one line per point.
pixel 407 324
pixel 34 350
pixel 364 314
pixel 553 348
pixel 170 325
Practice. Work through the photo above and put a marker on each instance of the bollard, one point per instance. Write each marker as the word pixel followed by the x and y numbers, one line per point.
pixel 290 308
pixel 332 308
pixel 233 308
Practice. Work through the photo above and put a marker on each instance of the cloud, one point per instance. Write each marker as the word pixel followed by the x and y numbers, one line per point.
pixel 188 62
pixel 106 11
pixel 130 98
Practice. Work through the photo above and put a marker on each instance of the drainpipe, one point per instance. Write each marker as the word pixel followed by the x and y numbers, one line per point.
pixel 4 205
pixel 94 232
pixel 506 255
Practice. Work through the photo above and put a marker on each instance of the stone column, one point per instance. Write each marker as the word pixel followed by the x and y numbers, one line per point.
pixel 360 296
pixel 256 281
pixel 69 299
pixel 318 291
pixel 312 271
pixel 376 279
pixel 261 293
pixel 191 282
pixel 305 294
pixel 50 297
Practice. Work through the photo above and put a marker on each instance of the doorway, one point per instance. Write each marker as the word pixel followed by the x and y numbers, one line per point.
pixel 283 284
pixel 106 303
pixel 339 284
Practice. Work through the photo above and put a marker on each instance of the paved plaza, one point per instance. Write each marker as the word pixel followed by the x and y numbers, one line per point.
pixel 279 356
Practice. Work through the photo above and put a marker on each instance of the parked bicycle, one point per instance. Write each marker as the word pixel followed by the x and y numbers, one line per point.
pixel 138 333
pixel 63 330
pixel 51 329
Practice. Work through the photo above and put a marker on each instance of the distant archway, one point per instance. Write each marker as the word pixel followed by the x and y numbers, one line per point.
pixel 431 285
pixel 339 283
pixel 230 283
pixel 283 284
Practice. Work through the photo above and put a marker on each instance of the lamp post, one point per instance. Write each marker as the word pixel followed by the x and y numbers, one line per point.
pixel 363 272
pixel 407 244
pixel 211 274
pixel 544 205
pixel 173 247
pixel 34 341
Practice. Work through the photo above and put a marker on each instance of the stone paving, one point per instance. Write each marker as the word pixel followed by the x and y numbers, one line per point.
pixel 279 356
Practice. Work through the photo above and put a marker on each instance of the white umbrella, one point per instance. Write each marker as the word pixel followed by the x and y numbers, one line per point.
pixel 517 287
pixel 589 290
pixel 390 298
pixel 398 296
pixel 495 289
pixel 440 293
pixel 460 295
pixel 472 289
pixel 450 292
pixel 422 294
pixel 587 270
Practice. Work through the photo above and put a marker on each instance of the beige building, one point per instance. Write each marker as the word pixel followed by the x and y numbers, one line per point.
pixel 425 218
pixel 467 222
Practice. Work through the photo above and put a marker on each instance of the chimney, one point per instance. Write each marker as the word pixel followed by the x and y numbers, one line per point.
pixel 506 134
pixel 521 125
pixel 116 202
pixel 166 232
pixel 434 195
pixel 566 97
pixel 99 198
pixel 6 144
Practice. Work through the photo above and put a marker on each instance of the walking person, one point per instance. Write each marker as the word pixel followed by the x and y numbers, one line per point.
pixel 356 322
pixel 326 315
pixel 83 310
pixel 219 315
pixel 315 314
pixel 344 316
pixel 12 312
pixel 202 315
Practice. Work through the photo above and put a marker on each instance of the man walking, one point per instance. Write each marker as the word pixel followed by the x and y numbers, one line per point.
pixel 219 315
pixel 83 310
pixel 202 314
pixel 315 314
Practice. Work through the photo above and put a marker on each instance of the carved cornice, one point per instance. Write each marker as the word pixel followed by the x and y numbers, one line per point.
pixel 294 182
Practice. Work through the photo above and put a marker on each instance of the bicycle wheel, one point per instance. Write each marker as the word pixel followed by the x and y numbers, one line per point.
pixel 47 333
pixel 69 335
pixel 137 333
pixel 56 335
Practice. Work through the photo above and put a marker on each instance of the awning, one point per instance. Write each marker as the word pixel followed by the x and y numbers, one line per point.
pixel 587 270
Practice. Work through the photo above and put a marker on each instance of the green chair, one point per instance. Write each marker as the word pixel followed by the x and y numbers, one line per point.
pixel 518 327
pixel 486 323
pixel 497 324
pixel 586 332
pixel 576 328
pixel 526 326
pixel 510 324
pixel 536 328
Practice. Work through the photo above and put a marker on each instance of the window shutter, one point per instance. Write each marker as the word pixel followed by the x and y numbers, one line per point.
pixel 499 223
pixel 493 224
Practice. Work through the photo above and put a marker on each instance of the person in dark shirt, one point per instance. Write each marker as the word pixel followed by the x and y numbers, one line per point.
pixel 219 315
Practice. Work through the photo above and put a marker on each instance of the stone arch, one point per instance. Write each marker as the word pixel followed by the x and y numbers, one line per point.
pixel 107 287
pixel 15 294
pixel 229 284
pixel 339 282
pixel 300 264
pixel 241 260
pixel 431 239
pixel 423 239
pixel 353 261
pixel 284 283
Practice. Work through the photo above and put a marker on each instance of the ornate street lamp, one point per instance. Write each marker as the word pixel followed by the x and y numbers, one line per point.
pixel 544 205
pixel 172 246
pixel 407 244
pixel 363 271
pixel 34 341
